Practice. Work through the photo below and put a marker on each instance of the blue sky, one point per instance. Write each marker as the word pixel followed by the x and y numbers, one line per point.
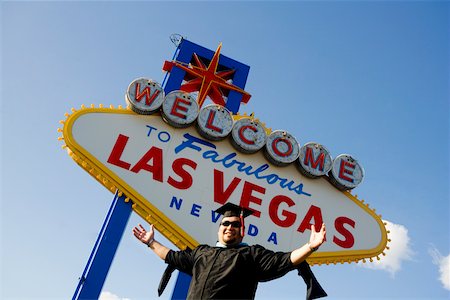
pixel 366 78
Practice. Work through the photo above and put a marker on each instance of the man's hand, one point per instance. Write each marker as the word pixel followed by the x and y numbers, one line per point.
pixel 143 235
pixel 317 238
pixel 147 237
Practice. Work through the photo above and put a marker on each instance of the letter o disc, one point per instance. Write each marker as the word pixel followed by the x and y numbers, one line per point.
pixel 179 109
pixel 281 148
pixel 248 135
pixel 144 96
pixel 346 172
pixel 214 122
pixel 314 160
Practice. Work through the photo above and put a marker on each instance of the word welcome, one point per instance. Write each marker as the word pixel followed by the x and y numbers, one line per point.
pixel 248 135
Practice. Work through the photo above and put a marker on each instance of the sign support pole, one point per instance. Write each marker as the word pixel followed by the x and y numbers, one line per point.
pixel 181 287
pixel 99 262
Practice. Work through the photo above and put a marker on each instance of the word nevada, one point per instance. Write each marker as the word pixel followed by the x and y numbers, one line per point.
pixel 215 122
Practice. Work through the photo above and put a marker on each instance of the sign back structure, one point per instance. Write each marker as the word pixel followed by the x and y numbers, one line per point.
pixel 176 162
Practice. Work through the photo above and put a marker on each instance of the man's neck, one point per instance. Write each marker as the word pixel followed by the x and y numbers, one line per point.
pixel 220 245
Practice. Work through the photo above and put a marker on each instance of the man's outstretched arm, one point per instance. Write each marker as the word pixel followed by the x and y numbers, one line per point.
pixel 147 237
pixel 315 240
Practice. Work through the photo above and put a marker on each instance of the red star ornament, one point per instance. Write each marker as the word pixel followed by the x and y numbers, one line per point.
pixel 207 80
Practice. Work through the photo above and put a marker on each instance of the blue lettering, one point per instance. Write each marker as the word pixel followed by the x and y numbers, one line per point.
pixel 225 162
pixel 259 170
pixel 214 216
pixel 211 154
pixel 176 202
pixel 272 178
pixel 299 189
pixel 189 143
pixel 284 185
pixel 195 210
pixel 150 129
pixel 167 138
pixel 252 230
pixel 243 168
pixel 273 238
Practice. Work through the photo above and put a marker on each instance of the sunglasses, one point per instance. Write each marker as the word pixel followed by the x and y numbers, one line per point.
pixel 235 224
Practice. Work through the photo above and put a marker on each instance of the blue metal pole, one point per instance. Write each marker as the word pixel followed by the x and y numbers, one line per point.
pixel 181 286
pixel 102 255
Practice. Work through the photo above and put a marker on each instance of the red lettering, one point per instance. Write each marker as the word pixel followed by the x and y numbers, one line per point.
pixel 156 168
pixel 146 92
pixel 209 123
pixel 349 240
pixel 116 153
pixel 343 170
pixel 243 138
pixel 278 152
pixel 309 159
pixel 289 217
pixel 220 195
pixel 186 177
pixel 247 196
pixel 177 108
pixel 315 213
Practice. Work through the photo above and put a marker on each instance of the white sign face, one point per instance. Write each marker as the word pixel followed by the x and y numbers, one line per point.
pixel 177 179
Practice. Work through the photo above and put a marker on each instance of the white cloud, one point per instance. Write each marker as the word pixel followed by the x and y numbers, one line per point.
pixel 444 266
pixel 399 250
pixel 110 296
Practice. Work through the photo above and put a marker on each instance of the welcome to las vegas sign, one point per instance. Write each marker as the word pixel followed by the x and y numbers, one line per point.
pixel 178 162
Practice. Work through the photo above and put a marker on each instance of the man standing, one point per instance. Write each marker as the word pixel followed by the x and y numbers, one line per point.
pixel 231 269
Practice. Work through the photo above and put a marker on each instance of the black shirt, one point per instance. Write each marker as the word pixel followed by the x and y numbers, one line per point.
pixel 229 273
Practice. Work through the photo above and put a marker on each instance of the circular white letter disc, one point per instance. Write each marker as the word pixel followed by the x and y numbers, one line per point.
pixel 144 96
pixel 179 109
pixel 282 148
pixel 248 135
pixel 346 172
pixel 214 122
pixel 314 160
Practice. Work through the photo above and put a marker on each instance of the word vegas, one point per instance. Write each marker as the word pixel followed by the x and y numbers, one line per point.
pixel 252 195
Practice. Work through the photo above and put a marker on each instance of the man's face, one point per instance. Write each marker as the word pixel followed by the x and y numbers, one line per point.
pixel 230 231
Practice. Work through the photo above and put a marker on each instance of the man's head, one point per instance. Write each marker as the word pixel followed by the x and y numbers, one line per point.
pixel 231 229
pixel 229 233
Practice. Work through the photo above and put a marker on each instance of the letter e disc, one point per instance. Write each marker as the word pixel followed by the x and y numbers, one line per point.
pixel 214 122
pixel 314 160
pixel 144 96
pixel 281 148
pixel 346 172
pixel 248 135
pixel 179 109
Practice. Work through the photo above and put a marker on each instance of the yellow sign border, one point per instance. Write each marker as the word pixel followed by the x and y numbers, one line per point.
pixel 169 229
